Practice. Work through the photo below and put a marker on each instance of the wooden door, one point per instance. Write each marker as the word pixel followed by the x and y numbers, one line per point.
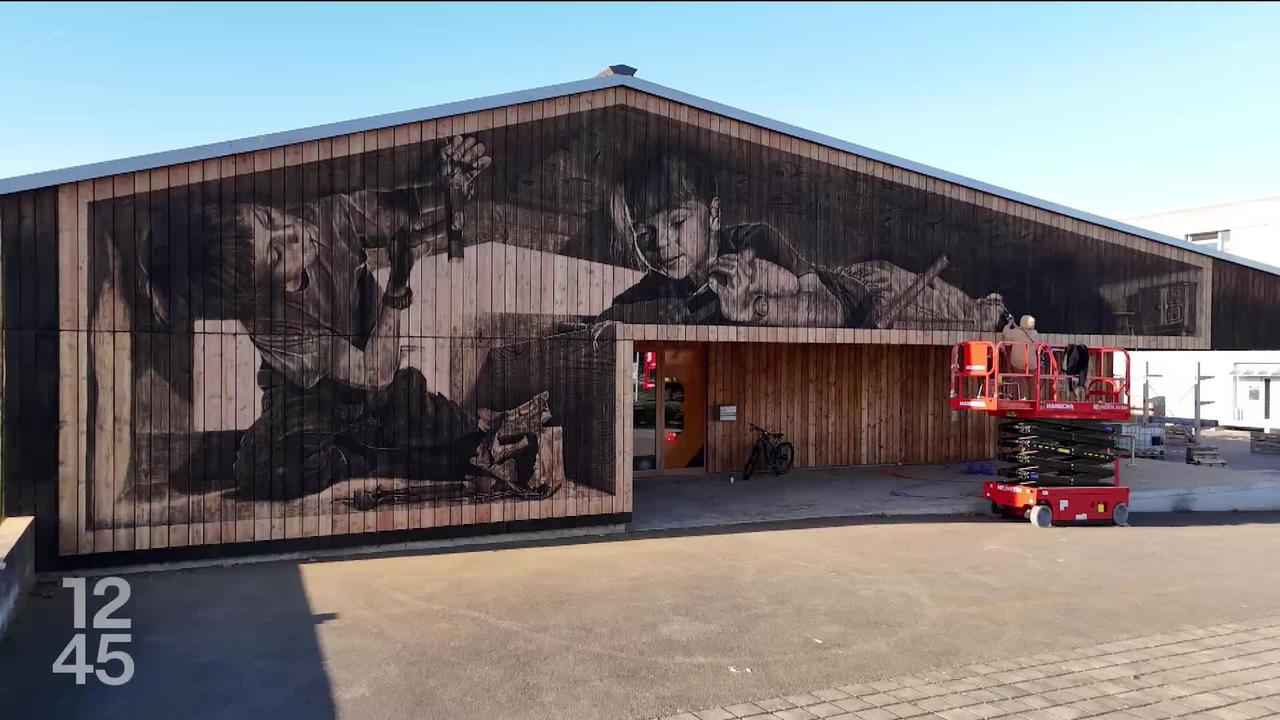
pixel 669 408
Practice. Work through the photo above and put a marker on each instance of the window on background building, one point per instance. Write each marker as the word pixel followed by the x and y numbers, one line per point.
pixel 1217 239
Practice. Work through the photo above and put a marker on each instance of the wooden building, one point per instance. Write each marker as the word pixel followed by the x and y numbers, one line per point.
pixel 491 315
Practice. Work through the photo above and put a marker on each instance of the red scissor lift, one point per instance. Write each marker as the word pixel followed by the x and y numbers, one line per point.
pixel 1058 431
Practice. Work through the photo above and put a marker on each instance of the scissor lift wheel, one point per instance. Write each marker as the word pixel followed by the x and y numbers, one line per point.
pixel 1120 514
pixel 1041 516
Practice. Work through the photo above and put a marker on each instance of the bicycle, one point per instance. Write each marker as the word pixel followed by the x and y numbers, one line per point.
pixel 777 454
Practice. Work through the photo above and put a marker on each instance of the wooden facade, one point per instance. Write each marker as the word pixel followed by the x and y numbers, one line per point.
pixel 192 352
pixel 842 405
pixel 1244 303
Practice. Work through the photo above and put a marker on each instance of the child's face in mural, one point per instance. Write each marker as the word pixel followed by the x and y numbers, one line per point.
pixel 680 241
pixel 283 245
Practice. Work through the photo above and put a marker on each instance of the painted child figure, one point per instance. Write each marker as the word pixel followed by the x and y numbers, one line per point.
pixel 336 402
pixel 702 271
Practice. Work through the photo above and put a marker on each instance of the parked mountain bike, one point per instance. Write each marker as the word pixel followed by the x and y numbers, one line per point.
pixel 776 453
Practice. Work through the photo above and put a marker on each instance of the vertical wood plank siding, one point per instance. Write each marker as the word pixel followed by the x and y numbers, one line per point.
pixel 154 369
pixel 841 405
pixel 1246 308
pixel 29 452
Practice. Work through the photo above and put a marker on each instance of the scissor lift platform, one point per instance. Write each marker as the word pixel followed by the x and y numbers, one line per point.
pixel 1057 442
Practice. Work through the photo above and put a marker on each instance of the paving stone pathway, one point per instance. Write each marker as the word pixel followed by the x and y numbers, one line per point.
pixel 1223 672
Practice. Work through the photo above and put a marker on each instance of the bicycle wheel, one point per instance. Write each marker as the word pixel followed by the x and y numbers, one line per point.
pixel 783 456
pixel 751 462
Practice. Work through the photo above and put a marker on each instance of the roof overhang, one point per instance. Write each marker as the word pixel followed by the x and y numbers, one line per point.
pixel 1257 370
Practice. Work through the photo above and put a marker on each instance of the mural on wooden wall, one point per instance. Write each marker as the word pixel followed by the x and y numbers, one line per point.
pixel 700 269
pixel 417 326
pixel 276 344
pixel 730 233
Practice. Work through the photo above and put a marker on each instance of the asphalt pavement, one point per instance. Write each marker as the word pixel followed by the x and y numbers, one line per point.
pixel 641 627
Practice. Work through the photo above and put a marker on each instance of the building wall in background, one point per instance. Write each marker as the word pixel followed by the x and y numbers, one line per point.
pixel 1248 228
pixel 1239 388
pixel 1234 374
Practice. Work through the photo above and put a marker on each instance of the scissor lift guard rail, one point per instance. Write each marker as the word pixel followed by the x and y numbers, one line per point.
pixel 1060 410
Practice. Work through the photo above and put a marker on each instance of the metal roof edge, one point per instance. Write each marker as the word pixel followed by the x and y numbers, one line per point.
pixel 148 161
pixel 317 132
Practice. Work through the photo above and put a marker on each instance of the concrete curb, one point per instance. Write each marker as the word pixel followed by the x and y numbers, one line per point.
pixel 1263 495
pixel 17 564
pixel 477 543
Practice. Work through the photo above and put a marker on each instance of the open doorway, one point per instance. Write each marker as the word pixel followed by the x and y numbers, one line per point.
pixel 669 406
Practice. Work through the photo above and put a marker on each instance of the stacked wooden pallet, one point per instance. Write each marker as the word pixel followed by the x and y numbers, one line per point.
pixel 1204 455
pixel 1264 442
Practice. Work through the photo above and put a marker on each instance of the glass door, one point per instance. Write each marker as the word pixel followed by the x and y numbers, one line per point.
pixel 644 410
pixel 669 408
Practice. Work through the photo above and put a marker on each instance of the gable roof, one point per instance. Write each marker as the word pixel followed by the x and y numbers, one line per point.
pixel 316 132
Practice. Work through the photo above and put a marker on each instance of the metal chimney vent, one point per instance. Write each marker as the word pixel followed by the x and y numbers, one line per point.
pixel 617 70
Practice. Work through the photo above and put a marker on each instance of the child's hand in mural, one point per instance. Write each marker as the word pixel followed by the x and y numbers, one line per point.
pixel 463 161
pixel 744 283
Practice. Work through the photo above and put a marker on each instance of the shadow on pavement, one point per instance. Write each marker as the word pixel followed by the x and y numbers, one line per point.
pixel 1183 519
pixel 205 645
pixel 241 641
pixel 798 524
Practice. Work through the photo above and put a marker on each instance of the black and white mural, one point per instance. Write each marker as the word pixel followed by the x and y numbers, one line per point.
pixel 403 323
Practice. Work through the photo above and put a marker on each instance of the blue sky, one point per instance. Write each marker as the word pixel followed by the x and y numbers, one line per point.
pixel 1115 109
